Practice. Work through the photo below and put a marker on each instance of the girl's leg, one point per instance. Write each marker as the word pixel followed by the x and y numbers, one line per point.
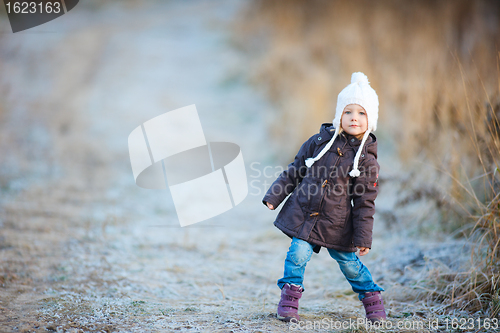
pixel 298 255
pixel 355 272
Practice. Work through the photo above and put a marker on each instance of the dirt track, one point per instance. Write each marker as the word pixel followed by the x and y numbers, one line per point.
pixel 82 247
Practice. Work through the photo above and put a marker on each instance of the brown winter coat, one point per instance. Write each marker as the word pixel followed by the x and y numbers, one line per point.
pixel 327 207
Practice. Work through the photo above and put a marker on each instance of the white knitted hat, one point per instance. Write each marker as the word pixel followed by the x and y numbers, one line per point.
pixel 358 92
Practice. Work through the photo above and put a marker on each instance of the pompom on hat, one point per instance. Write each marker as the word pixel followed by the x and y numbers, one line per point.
pixel 358 92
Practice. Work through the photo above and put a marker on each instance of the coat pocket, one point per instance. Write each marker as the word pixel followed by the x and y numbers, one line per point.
pixel 334 208
pixel 309 194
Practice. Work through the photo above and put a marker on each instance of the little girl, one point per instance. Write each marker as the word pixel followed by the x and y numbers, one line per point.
pixel 333 186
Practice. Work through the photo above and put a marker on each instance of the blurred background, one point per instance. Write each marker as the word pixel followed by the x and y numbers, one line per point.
pixel 82 247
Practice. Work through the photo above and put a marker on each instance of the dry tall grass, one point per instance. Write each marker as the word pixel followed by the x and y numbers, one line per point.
pixel 478 287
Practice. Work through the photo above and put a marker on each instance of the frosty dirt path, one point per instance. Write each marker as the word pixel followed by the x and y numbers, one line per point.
pixel 82 248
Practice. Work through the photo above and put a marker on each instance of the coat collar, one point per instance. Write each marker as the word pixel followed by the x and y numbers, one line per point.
pixel 327 130
pixel 325 133
pixel 352 140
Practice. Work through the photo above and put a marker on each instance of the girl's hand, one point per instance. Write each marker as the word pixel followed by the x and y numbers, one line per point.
pixel 363 250
pixel 271 207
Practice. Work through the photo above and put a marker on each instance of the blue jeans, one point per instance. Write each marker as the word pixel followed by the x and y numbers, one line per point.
pixel 355 272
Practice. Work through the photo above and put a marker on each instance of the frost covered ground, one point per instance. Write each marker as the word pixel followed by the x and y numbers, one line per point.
pixel 83 248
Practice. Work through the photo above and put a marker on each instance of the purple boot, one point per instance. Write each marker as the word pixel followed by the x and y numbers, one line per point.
pixel 374 306
pixel 288 306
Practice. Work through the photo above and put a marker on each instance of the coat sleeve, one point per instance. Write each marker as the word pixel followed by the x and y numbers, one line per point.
pixel 291 177
pixel 365 190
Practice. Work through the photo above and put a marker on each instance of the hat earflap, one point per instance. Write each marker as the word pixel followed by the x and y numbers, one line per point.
pixel 355 172
pixel 310 161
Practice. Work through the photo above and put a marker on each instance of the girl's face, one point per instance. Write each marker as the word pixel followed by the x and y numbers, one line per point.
pixel 354 120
